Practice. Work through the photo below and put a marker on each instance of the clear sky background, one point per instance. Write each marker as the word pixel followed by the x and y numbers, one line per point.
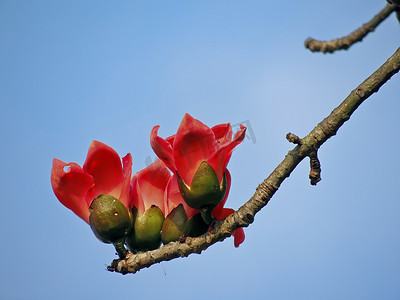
pixel 75 71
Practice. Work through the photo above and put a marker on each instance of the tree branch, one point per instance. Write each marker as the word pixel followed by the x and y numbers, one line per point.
pixel 244 216
pixel 354 37
pixel 396 2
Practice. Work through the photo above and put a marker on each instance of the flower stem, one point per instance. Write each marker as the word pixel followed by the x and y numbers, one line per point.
pixel 206 214
pixel 120 248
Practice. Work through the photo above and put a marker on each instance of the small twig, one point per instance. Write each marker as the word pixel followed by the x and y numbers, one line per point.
pixel 354 37
pixel 315 168
pixel 245 214
pixel 292 138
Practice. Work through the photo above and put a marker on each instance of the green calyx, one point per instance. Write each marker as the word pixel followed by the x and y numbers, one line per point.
pixel 146 231
pixel 205 190
pixel 195 226
pixel 177 225
pixel 109 219
pixel 174 225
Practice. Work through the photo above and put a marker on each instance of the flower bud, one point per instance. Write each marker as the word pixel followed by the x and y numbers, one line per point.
pixel 146 231
pixel 195 226
pixel 205 190
pixel 174 225
pixel 109 219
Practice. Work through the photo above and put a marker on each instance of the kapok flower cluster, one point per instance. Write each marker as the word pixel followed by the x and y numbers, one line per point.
pixel 153 206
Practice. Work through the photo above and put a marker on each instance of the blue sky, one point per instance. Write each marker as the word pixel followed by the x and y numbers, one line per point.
pixel 75 71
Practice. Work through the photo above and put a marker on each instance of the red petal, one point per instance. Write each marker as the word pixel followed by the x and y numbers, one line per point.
pixel 194 143
pixel 135 197
pixel 223 213
pixel 171 139
pixel 173 198
pixel 223 134
pixel 238 234
pixel 126 184
pixel 150 185
pixel 218 209
pixel 221 157
pixel 71 186
pixel 104 164
pixel 162 148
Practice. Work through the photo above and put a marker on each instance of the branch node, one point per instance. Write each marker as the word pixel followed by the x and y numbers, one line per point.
pixel 360 93
pixel 292 138
pixel 182 238
pixel 315 168
pixel 249 219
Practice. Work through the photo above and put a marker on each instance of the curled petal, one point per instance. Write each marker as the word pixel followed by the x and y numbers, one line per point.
pixel 194 143
pixel 70 187
pixel 104 165
pixel 223 134
pixel 149 186
pixel 162 148
pixel 219 160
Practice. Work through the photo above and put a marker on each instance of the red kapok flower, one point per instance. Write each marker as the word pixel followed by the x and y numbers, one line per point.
pixel 199 155
pixel 148 207
pixel 195 143
pixel 98 193
pixel 102 173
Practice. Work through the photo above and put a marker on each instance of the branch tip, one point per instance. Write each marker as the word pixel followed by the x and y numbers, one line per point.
pixel 292 138
pixel 356 36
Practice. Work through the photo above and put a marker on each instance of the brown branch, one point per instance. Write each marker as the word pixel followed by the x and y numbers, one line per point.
pixel 397 2
pixel 352 38
pixel 245 214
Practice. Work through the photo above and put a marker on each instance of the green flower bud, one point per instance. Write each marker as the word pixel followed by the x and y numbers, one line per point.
pixel 146 231
pixel 195 226
pixel 174 225
pixel 109 219
pixel 205 190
